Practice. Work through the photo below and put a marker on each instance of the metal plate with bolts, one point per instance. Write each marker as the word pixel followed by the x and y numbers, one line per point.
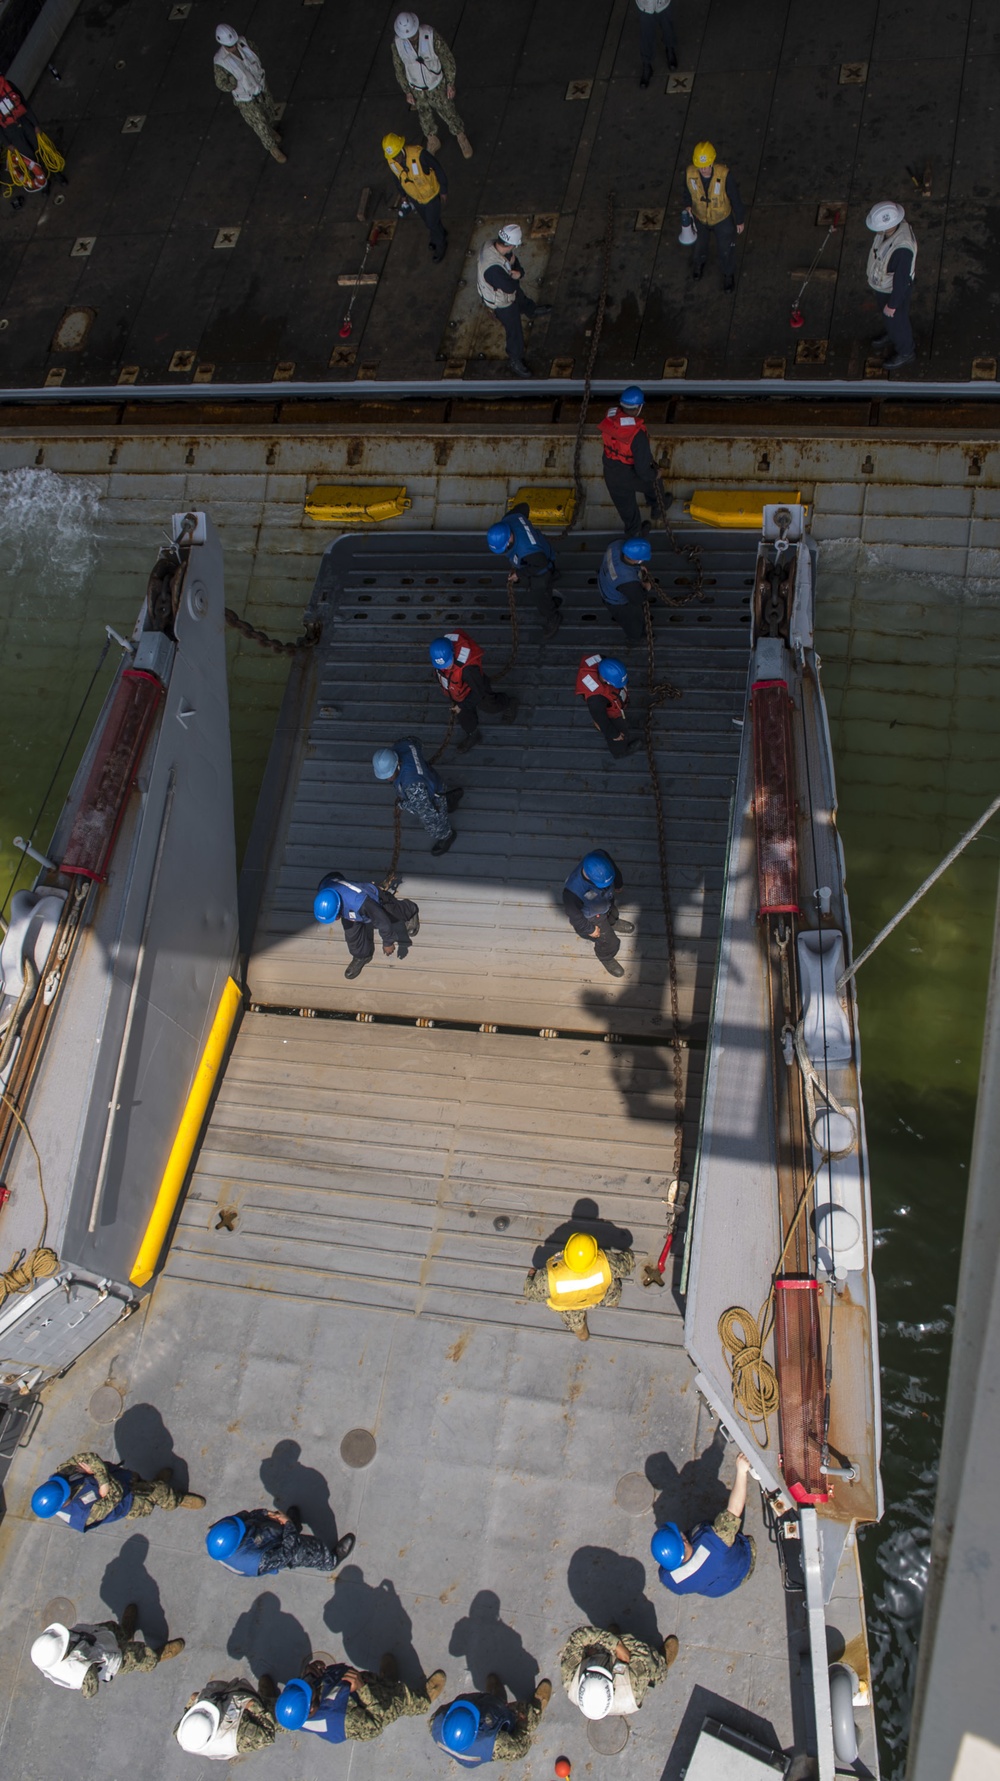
pixel 650 220
pixel 128 374
pixel 681 82
pixel 204 373
pixel 54 377
pixel 579 89
pixel 368 369
pixel 608 1736
pixel 853 74
pixel 227 237
pixel 133 124
pixel 182 360
pixel 875 367
pixel 82 247
pixel 544 225
pixel 283 371
pixel 774 366
pixel 984 370
pixel 675 367
pixel 831 210
pixel 358 1449
pixel 454 368
pixel 634 1493
pixel 106 1404
pixel 61 1609
pixel 561 368
pixel 811 352
pixel 343 355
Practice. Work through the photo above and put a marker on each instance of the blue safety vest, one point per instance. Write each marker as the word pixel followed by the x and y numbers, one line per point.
pixel 76 1510
pixel 351 898
pixel 527 542
pixel 713 1568
pixel 494 1717
pixel 261 1537
pixel 413 768
pixel 328 1720
pixel 613 570
pixel 595 901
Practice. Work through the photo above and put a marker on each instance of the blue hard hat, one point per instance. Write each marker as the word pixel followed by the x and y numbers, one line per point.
pixel 385 763
pixel 441 653
pixel 637 550
pixel 598 868
pixel 49 1498
pixel 326 902
pixel 460 1725
pixel 224 1536
pixel 632 397
pixel 667 1545
pixel 499 535
pixel 294 1704
pixel 613 671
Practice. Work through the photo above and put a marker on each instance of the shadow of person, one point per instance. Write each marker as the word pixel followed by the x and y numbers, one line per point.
pixel 693 1492
pixel 609 1588
pixel 125 1580
pixel 145 1444
pixel 585 1216
pixel 288 1481
pixel 488 1644
pixel 270 1640
pixel 369 1620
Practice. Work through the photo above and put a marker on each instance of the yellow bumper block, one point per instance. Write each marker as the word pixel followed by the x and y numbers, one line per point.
pixel 739 508
pixel 547 506
pixel 345 504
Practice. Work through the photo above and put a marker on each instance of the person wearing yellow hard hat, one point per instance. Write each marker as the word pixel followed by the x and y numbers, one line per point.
pixel 717 208
pixel 424 184
pixel 581 1276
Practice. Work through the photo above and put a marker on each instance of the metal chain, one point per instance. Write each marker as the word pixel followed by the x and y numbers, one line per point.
pixel 515 629
pixel 595 341
pixel 691 551
pixel 657 695
pixel 308 640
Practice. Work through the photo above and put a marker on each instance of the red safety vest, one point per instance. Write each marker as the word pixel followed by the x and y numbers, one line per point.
pixel 467 655
pixel 589 682
pixel 618 431
pixel 12 106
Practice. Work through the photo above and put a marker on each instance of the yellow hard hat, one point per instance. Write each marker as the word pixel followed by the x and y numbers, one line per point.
pixel 580 1253
pixel 393 145
pixel 704 154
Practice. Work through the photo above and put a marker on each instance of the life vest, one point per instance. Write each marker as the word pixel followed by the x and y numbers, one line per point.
pixel 329 1719
pixel 262 1536
pixel 618 431
pixel 420 187
pixel 494 1717
pixel 568 1290
pixel 413 769
pixel 467 655
pixel 89 1645
pixel 595 900
pixel 711 207
pixel 589 683
pixel 490 255
pixel 77 1507
pixel 527 542
pixel 882 249
pixel 713 1568
pixel 422 63
pixel 351 898
pixel 224 1742
pixel 614 569
pixel 12 105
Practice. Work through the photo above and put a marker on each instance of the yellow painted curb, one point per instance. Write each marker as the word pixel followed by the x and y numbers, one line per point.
pixel 345 503
pixel 547 506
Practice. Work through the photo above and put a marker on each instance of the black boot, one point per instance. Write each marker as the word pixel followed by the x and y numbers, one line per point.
pixel 899 359
pixel 467 742
pixel 520 369
pixel 729 283
pixel 355 967
pixel 881 343
pixel 454 797
pixel 344 1547
pixel 613 968
pixel 445 842
pixel 646 75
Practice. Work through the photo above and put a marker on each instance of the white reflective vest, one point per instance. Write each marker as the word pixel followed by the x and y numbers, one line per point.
pixel 882 250
pixel 423 66
pixel 97 1646
pixel 490 255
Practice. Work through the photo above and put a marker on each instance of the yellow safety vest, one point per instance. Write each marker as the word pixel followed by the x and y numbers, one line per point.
pixel 716 207
pixel 420 187
pixel 569 1291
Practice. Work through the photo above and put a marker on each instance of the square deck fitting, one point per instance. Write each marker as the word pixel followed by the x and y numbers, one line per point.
pixel 54 377
pixel 227 237
pixel 811 352
pixel 579 89
pixel 651 220
pixel 853 74
pixel 875 366
pixel 831 210
pixel 368 369
pixel 454 368
pixel 984 370
pixel 774 366
pixel 544 226
pixel 183 360
pixel 179 12
pixel 128 374
pixel 681 82
pixel 283 371
pixel 203 373
pixel 133 124
pixel 561 368
pixel 82 247
pixel 674 368
pixel 343 355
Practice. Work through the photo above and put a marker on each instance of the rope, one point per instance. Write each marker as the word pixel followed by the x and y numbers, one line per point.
pixel 754 1381
pixel 595 341
pixel 49 155
pixel 658 693
pixel 308 640
pixel 39 1263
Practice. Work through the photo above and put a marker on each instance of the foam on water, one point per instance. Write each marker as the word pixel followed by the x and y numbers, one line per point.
pixel 48 532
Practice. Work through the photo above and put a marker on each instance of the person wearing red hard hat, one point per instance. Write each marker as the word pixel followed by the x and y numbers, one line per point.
pixel 892 262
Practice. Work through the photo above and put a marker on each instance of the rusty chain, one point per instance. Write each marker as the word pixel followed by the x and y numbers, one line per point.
pixel 308 640
pixel 595 341
pixel 691 551
pixel 658 693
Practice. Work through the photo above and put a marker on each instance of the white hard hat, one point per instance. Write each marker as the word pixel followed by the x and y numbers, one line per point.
pixel 51 1646
pixel 884 216
pixel 511 235
pixel 595 1693
pixel 407 24
pixel 198 1726
pixel 226 35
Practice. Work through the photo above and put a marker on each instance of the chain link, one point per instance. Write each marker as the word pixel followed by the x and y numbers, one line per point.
pixel 308 640
pixel 595 341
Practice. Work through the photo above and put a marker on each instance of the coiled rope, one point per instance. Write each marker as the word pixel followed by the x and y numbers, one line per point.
pixel 39 1263
pixel 754 1380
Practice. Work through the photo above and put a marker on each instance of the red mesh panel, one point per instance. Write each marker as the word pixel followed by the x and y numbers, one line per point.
pixel 119 751
pixel 774 799
pixel 798 1350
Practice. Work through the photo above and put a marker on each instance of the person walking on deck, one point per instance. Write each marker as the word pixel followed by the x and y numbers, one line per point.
pixel 628 463
pixel 228 1719
pixel 498 276
pixel 651 14
pixel 419 790
pixel 88 1491
pixel 424 183
pixel 481 1727
pixel 532 559
pixel 714 1558
pixel 88 1653
pixel 366 909
pixel 583 1276
pixel 605 1671
pixel 346 1705
pixel 589 901
pixel 259 1542
pixel 717 208
pixel 892 263
pixel 623 580
pixel 458 663
pixel 602 683
pixel 426 71
pixel 239 70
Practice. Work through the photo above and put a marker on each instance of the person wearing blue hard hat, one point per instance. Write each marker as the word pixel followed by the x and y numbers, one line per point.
pixel 481 1727
pixel 88 1491
pixel 625 587
pixel 715 1557
pixel 628 464
pixel 366 909
pixel 602 684
pixel 259 1542
pixel 532 559
pixel 589 901
pixel 420 791
pixel 344 1705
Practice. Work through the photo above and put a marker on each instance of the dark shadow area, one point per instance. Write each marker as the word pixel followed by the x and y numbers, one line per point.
pixel 287 1481
pixel 369 1620
pixel 487 1643
pixel 145 1444
pixel 706 1705
pixel 585 1216
pixel 608 1587
pixel 692 1493
pixel 270 1640
pixel 127 1580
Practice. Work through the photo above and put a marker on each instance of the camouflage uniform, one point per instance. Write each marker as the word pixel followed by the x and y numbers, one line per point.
pixel 261 112
pixel 376 1703
pixel 258 1727
pixel 429 100
pixel 510 1746
pixel 646 1666
pixel 620 1261
pixel 135 1655
pixel 147 1494
pixel 428 807
pixel 727 1526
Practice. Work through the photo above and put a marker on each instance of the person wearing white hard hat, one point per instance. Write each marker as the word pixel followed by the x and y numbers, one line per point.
pixel 605 1671
pixel 426 71
pixel 229 1719
pixel 88 1653
pixel 239 71
pixel 891 266
pixel 498 276
pixel 651 14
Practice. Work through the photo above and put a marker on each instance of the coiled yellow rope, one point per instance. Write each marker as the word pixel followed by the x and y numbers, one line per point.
pixel 754 1381
pixel 39 1263
pixel 18 168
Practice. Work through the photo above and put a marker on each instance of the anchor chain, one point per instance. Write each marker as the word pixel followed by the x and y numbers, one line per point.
pixel 308 640
pixel 595 341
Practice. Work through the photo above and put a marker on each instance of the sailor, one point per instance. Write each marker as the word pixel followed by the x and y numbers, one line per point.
pixel 477 1728
pixel 718 210
pixel 419 790
pixel 29 156
pixel 258 1542
pixel 623 579
pixel 228 1719
pixel 605 1671
pixel 88 1492
pixel 424 183
pixel 238 70
pixel 714 1558
pixel 345 1705
pixel 602 682
pixel 458 661
pixel 629 468
pixel 425 69
pixel 498 276
pixel 88 1653
pixel 532 556
pixel 583 1276
pixel 589 901
pixel 364 909
pixel 652 13
pixel 892 263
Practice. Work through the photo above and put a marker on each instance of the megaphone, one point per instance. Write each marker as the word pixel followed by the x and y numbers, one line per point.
pixel 689 234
